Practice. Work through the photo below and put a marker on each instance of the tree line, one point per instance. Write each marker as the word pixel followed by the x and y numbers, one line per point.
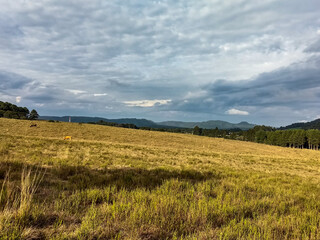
pixel 297 138
pixel 9 110
pixel 112 124
pixel 294 138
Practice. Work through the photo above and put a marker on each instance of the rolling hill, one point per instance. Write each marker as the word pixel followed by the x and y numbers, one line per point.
pixel 82 119
pixel 148 123
pixel 315 124
pixel 209 124
pixel 116 183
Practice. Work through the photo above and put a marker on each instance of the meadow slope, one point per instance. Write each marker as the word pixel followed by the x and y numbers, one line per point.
pixel 115 183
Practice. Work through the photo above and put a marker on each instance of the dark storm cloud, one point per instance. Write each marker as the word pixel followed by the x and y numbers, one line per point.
pixel 12 81
pixel 273 87
pixel 294 88
pixel 315 47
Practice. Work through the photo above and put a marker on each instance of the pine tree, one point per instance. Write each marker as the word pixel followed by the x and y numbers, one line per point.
pixel 33 115
pixel 197 131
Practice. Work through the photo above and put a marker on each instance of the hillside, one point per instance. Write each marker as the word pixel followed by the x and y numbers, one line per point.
pixel 315 124
pixel 148 123
pixel 209 124
pixel 82 119
pixel 115 183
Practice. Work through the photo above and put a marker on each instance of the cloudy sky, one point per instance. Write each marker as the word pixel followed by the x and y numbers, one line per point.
pixel 191 60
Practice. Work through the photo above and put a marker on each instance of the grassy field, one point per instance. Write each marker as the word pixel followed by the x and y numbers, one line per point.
pixel 115 183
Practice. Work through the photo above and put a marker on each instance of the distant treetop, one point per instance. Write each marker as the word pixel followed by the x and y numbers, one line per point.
pixel 9 110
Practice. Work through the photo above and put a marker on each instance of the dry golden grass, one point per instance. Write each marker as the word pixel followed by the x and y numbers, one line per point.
pixel 120 183
pixel 159 148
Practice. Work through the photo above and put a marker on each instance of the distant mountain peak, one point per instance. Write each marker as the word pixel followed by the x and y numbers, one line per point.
pixel 210 124
pixel 315 124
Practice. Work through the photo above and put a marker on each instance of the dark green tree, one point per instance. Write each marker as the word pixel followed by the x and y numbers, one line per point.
pixel 9 110
pixel 197 131
pixel 261 136
pixel 313 136
pixel 301 138
pixel 33 115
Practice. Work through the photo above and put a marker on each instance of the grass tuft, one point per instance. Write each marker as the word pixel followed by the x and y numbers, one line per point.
pixel 16 204
pixel 29 185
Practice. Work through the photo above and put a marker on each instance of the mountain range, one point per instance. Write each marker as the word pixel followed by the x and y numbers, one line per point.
pixel 315 124
pixel 209 124
pixel 148 123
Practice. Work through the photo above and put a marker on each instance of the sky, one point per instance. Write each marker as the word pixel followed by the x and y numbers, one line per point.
pixel 188 60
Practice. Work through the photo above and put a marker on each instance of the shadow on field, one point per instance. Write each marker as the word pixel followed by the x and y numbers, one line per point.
pixel 80 177
pixel 128 178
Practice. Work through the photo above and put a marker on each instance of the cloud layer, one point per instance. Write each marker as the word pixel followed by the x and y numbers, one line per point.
pixel 147 103
pixel 109 58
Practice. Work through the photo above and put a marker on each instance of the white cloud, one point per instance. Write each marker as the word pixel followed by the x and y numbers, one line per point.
pixel 100 94
pixel 76 92
pixel 234 111
pixel 18 99
pixel 146 103
pixel 196 94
